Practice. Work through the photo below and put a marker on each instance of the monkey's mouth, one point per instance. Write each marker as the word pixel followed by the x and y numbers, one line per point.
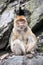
pixel 21 23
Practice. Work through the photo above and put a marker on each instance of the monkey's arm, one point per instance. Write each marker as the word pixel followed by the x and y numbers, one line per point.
pixel 16 44
pixel 31 41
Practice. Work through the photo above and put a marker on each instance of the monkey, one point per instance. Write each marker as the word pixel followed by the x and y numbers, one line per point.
pixel 22 39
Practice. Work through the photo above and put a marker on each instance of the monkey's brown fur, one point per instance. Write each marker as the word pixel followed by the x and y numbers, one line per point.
pixel 22 40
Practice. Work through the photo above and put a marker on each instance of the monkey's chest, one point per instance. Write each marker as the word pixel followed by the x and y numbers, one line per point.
pixel 23 38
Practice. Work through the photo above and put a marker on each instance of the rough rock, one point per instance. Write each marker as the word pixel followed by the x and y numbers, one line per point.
pixel 22 60
pixel 33 4
pixel 1 62
pixel 40 38
pixel 13 4
pixel 2 7
pixel 6 23
pixel 35 17
pixel 40 43
pixel 7 1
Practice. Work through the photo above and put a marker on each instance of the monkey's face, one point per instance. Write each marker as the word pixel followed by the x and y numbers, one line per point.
pixel 20 24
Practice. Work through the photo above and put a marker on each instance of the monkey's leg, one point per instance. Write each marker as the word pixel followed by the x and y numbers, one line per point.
pixel 31 45
pixel 17 47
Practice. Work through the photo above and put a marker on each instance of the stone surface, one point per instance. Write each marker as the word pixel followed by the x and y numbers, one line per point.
pixel 35 17
pixel 6 23
pixel 2 7
pixel 40 43
pixel 22 60
pixel 6 1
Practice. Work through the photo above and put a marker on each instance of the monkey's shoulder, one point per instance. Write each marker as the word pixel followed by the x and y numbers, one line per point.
pixel 29 33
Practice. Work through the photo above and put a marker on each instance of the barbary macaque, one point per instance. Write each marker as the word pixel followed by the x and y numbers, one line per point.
pixel 22 40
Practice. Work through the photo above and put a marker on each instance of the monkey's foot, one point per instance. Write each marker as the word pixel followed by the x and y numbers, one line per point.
pixel 29 55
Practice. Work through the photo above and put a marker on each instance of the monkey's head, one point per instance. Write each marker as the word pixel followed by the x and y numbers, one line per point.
pixel 20 22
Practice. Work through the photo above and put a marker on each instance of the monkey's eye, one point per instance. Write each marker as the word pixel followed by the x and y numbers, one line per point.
pixel 22 21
